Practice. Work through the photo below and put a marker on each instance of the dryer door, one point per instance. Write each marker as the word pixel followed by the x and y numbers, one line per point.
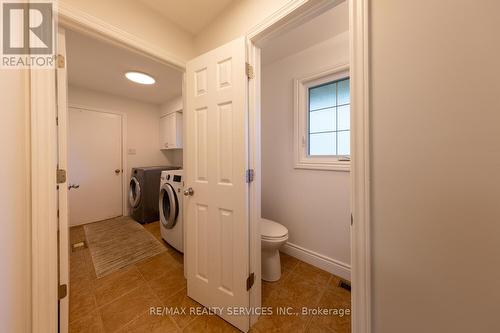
pixel 169 206
pixel 134 193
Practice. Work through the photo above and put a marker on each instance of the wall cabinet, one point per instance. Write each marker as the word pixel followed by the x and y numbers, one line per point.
pixel 171 131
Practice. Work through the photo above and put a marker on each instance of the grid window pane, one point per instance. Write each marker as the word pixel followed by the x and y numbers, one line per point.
pixel 322 144
pixel 329 119
pixel 322 121
pixel 343 143
pixel 324 96
pixel 343 118
pixel 343 92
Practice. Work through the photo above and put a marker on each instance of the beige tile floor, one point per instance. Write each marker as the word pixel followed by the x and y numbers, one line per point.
pixel 120 302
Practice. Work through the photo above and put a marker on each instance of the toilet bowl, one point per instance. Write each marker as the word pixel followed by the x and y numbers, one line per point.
pixel 273 236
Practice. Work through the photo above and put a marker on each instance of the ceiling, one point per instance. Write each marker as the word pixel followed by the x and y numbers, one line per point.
pixel 322 27
pixel 190 15
pixel 100 66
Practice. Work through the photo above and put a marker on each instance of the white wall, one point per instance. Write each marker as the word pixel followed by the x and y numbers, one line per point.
pixel 137 19
pixel 142 130
pixel 435 121
pixel 234 22
pixel 313 204
pixel 15 203
pixel 173 105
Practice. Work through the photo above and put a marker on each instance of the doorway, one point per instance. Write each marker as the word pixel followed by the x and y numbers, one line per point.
pixel 301 155
pixel 119 132
pixel 285 20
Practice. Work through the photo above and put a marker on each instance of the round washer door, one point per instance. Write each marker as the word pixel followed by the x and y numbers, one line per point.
pixel 169 206
pixel 134 192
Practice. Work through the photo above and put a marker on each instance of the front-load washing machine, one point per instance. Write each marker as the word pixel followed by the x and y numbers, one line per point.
pixel 143 193
pixel 171 195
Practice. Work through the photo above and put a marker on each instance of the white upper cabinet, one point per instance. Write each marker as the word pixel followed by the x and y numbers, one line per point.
pixel 171 131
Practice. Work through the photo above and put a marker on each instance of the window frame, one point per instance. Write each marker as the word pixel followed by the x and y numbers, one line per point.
pixel 302 159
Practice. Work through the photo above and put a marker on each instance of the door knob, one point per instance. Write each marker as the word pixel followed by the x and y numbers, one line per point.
pixel 189 192
pixel 117 171
pixel 75 186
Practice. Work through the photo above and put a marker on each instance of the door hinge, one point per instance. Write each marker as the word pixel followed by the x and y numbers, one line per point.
pixel 61 176
pixel 61 62
pixel 250 281
pixel 249 70
pixel 57 121
pixel 250 175
pixel 62 291
pixel 352 220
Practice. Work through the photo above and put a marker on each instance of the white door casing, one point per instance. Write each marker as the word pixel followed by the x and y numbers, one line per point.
pixel 95 165
pixel 62 161
pixel 217 220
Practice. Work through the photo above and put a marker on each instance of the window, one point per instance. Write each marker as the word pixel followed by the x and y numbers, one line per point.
pixel 322 120
pixel 329 119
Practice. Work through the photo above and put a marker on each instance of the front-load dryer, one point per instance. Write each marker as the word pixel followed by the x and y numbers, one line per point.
pixel 170 204
pixel 143 193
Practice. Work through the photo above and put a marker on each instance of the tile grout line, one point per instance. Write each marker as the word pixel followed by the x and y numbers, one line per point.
pixel 85 266
pixel 134 318
pixel 154 293
pixel 116 298
pixel 325 287
pixel 160 302
pixel 92 281
pixel 98 308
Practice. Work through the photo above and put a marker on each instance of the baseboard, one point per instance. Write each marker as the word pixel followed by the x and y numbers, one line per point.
pixel 318 260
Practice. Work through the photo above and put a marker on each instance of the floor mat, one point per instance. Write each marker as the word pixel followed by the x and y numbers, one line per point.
pixel 118 243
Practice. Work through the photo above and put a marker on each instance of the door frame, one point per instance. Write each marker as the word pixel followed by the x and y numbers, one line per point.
pixel 123 117
pixel 285 19
pixel 43 109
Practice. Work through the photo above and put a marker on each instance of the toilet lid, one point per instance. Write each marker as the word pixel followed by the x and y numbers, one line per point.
pixel 271 229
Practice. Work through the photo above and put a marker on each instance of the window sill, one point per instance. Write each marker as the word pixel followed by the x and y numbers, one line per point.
pixel 310 164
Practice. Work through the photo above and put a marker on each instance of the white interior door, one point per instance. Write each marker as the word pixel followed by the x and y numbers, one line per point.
pixel 62 161
pixel 95 166
pixel 217 158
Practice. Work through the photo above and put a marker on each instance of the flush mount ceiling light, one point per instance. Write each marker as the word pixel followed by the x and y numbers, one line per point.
pixel 140 78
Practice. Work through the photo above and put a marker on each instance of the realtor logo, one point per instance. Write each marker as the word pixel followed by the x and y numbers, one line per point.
pixel 27 34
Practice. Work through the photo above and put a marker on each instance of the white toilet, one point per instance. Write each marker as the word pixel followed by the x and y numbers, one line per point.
pixel 273 236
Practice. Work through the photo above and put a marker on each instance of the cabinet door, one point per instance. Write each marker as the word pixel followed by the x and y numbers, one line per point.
pixel 171 129
pixel 178 129
pixel 164 132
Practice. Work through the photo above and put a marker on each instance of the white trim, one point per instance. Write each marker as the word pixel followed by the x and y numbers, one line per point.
pixel 289 16
pixel 360 165
pixel 300 120
pixel 78 20
pixel 254 194
pixel 123 115
pixel 28 261
pixel 62 160
pixel 44 222
pixel 328 264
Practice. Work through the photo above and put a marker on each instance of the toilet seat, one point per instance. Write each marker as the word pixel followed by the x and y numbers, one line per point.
pixel 274 239
pixel 270 230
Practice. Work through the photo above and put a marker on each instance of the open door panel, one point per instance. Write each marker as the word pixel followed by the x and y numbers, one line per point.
pixel 217 220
